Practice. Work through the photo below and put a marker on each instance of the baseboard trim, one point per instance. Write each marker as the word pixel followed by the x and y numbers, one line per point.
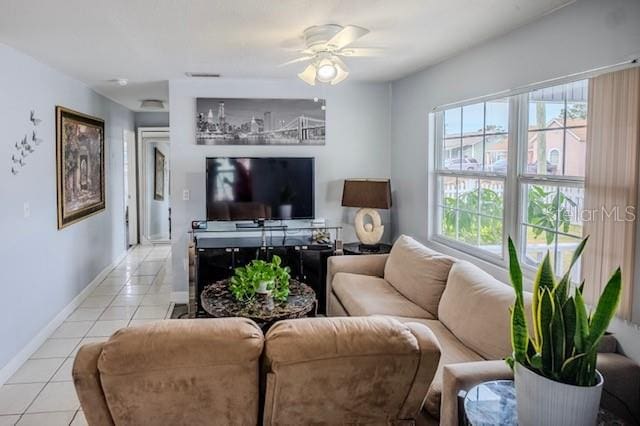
pixel 180 296
pixel 29 349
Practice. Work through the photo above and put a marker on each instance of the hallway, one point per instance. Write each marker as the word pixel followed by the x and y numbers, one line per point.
pixel 135 292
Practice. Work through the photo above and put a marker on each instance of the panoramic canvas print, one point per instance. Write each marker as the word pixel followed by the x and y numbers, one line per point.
pixel 228 121
pixel 80 165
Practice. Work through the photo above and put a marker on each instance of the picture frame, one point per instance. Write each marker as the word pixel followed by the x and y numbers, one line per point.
pixel 158 174
pixel 80 168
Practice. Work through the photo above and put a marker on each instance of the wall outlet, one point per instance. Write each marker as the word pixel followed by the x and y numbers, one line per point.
pixel 185 195
pixel 27 210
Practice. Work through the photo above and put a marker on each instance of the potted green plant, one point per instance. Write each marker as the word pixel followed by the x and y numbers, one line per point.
pixel 555 363
pixel 261 277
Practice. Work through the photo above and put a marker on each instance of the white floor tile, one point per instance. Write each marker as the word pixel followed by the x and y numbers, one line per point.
pixel 141 280
pixel 14 399
pixel 72 329
pixel 106 328
pixel 106 290
pixel 36 370
pixel 62 418
pixel 127 300
pixel 159 299
pixel 64 372
pixel 151 312
pixel 56 348
pixel 96 302
pixel 79 419
pixel 87 340
pixel 56 396
pixel 134 322
pixel 148 268
pixel 114 280
pixel 118 313
pixel 85 314
pixel 9 420
pixel 134 289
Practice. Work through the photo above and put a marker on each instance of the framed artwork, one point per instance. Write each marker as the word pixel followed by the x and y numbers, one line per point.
pixel 158 175
pixel 80 166
pixel 229 121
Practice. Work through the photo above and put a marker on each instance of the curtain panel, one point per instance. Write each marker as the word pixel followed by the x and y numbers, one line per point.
pixel 611 183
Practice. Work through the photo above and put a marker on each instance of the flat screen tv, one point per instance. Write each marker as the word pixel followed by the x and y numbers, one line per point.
pixel 250 188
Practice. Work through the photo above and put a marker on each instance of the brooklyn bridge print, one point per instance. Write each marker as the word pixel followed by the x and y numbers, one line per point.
pixel 229 121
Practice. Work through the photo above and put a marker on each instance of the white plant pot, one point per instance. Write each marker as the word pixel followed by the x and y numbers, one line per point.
pixel 542 401
pixel 263 287
pixel 285 211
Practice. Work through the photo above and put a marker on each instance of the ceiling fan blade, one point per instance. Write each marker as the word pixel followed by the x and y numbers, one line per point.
pixel 346 36
pixel 341 75
pixel 340 63
pixel 308 75
pixel 293 61
pixel 360 51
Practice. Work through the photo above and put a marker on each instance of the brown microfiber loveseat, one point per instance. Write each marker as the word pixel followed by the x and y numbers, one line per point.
pixel 467 310
pixel 372 371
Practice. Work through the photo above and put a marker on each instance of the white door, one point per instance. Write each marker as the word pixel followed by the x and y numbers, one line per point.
pixel 130 187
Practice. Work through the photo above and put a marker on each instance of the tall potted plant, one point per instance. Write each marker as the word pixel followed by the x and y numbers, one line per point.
pixel 555 363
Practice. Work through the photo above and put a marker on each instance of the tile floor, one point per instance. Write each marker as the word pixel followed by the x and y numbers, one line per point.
pixel 136 291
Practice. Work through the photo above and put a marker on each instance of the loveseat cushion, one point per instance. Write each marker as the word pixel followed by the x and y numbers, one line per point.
pixel 452 351
pixel 363 295
pixel 418 273
pixel 475 307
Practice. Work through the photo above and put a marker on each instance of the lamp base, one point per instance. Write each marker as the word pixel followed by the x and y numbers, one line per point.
pixel 369 234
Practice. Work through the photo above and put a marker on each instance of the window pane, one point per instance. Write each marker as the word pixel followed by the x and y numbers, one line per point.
pixel 540 145
pixel 452 122
pixel 496 151
pixel 497 116
pixel 571 205
pixel 546 107
pixel 468 195
pixel 537 244
pixel 576 149
pixel 448 223
pixel 542 207
pixel 566 247
pixel 492 198
pixel 472 153
pixel 491 234
pixel 451 154
pixel 473 119
pixel 468 227
pixel 448 194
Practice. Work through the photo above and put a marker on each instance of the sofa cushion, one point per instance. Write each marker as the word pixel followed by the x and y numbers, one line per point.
pixel 363 295
pixel 475 307
pixel 418 273
pixel 452 351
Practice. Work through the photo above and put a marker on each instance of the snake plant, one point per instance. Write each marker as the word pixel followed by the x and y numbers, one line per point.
pixel 563 342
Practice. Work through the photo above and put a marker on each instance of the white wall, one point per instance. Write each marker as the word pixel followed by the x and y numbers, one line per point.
pixel 43 269
pixel 582 36
pixel 357 145
pixel 152 119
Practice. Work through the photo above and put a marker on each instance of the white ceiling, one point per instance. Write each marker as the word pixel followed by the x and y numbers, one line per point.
pixel 152 41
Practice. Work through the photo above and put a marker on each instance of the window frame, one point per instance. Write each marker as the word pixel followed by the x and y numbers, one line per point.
pixel 514 181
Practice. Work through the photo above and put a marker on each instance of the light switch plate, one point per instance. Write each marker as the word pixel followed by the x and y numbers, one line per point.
pixel 185 195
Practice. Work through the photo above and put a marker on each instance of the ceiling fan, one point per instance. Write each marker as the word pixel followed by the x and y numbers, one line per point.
pixel 325 46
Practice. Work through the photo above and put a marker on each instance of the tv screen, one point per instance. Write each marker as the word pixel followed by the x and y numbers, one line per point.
pixel 260 188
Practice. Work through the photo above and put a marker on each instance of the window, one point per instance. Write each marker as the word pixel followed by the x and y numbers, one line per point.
pixel 472 167
pixel 474 176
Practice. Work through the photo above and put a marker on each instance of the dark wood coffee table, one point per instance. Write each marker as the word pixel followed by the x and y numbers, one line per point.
pixel 218 302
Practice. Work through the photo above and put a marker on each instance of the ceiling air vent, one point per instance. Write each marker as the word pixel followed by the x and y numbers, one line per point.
pixel 202 74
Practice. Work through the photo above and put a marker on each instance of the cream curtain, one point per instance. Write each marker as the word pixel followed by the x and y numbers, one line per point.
pixel 611 183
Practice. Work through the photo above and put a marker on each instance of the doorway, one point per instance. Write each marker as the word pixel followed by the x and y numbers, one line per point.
pixel 154 184
pixel 130 190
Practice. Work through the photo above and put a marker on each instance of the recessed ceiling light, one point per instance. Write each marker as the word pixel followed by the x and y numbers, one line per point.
pixel 152 104
pixel 122 81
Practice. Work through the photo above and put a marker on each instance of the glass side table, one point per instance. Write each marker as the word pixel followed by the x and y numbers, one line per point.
pixel 494 403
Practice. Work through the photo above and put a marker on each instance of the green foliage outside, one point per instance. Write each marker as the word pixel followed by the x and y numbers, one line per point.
pixel 246 280
pixel 563 343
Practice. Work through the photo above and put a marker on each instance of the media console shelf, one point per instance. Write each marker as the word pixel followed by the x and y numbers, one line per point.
pixel 223 246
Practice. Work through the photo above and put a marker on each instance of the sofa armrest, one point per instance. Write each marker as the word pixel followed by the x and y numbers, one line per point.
pixel 464 376
pixel 86 379
pixel 621 390
pixel 370 264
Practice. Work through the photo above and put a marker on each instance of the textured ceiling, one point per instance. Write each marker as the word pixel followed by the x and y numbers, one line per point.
pixel 152 41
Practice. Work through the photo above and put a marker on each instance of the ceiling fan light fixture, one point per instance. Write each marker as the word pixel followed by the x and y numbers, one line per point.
pixel 309 75
pixel 151 104
pixel 327 71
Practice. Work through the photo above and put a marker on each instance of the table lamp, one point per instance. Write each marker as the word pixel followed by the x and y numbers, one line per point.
pixel 368 195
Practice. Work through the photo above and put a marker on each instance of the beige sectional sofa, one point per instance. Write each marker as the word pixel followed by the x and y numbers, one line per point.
pixel 467 310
